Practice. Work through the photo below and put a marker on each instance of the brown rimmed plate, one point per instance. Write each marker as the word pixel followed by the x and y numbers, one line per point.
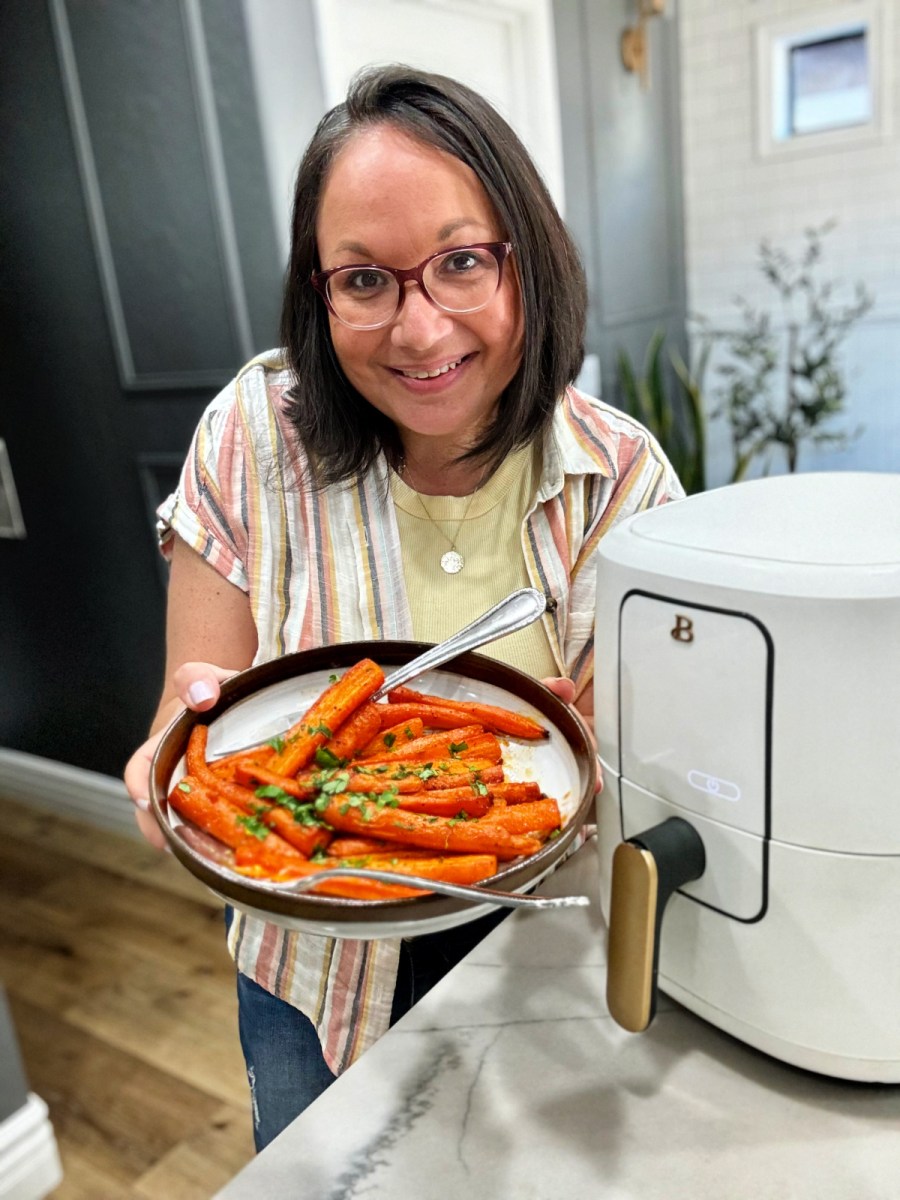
pixel 251 708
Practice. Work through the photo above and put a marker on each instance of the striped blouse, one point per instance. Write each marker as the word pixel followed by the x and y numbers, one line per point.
pixel 325 567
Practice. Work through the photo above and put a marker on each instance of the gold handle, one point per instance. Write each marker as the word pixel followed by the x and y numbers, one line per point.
pixel 632 921
pixel 646 871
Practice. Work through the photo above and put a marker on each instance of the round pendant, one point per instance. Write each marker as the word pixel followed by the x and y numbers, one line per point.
pixel 452 562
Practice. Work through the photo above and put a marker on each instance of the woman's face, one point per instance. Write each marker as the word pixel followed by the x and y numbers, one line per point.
pixel 393 201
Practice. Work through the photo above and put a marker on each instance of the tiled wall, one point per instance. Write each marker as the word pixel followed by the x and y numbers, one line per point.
pixel 734 197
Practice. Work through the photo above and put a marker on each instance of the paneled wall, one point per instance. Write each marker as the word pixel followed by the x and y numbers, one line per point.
pixel 734 197
pixel 141 268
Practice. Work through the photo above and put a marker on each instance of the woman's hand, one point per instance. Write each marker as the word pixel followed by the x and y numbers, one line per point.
pixel 196 686
pixel 564 688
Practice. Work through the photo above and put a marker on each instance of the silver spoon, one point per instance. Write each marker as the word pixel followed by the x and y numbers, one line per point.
pixel 460 891
pixel 518 610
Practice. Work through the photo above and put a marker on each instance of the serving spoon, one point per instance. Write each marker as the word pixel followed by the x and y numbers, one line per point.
pixel 459 891
pixel 218 859
pixel 518 610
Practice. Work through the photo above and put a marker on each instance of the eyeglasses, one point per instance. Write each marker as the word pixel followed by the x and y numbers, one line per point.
pixel 462 280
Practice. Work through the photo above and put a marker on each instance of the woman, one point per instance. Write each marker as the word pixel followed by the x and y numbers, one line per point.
pixel 410 456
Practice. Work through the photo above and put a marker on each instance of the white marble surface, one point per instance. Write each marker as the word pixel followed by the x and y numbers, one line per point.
pixel 510 1080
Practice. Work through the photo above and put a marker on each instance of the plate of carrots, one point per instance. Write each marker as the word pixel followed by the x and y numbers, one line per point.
pixel 476 774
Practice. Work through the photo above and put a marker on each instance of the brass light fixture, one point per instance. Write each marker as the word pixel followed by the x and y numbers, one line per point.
pixel 633 45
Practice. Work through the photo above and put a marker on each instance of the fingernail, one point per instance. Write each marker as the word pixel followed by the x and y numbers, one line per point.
pixel 199 692
pixel 142 803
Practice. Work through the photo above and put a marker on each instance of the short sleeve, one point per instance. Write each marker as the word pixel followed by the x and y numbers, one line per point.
pixel 207 508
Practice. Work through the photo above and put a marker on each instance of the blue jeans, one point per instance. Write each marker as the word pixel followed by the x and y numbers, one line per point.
pixel 285 1065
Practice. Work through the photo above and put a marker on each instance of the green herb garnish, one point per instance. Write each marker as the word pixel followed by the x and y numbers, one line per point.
pixel 254 826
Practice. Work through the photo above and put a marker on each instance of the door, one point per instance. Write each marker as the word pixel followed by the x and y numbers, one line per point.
pixel 141 269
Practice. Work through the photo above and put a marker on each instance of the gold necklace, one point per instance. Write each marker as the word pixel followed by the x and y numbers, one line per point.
pixel 452 562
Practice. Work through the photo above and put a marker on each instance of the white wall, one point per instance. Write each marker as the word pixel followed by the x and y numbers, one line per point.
pixel 734 197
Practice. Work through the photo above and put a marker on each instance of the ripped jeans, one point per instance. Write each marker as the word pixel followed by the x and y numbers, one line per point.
pixel 285 1065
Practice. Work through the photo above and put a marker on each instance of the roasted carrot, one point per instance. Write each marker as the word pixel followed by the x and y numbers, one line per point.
pixel 500 720
pixel 431 745
pixel 391 735
pixel 359 847
pixel 452 868
pixel 442 833
pixel 192 800
pixel 228 766
pixel 536 816
pixel 431 716
pixel 324 718
pixel 450 803
pixel 197 766
pixel 350 889
pixel 252 775
pixel 407 777
pixel 515 793
pixel 305 836
pixel 355 733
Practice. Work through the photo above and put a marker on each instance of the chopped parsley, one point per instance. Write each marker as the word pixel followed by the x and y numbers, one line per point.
pixel 389 739
pixel 458 747
pixel 254 826
pixel 332 678
pixel 479 788
pixel 321 728
pixel 277 744
pixel 318 855
pixel 184 787
pixel 325 758
pixel 272 792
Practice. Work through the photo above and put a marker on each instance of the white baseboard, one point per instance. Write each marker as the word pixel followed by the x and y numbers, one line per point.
pixel 67 791
pixel 29 1160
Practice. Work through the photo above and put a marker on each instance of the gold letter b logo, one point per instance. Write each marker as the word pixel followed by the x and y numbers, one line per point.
pixel 683 629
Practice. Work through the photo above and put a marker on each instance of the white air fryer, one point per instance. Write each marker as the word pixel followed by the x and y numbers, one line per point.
pixel 748 719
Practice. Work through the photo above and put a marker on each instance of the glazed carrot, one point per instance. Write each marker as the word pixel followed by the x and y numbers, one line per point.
pixel 217 788
pixel 236 829
pixel 359 847
pixel 441 833
pixel 355 733
pixel 251 775
pixel 431 745
pixel 402 731
pixel 409 777
pixel 431 716
pixel 536 816
pixel 515 793
pixel 448 803
pixel 451 868
pixel 501 720
pixel 322 719
pixel 305 837
pixel 351 889
pixel 228 766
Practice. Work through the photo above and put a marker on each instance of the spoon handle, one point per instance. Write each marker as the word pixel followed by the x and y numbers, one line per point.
pixel 459 891
pixel 516 611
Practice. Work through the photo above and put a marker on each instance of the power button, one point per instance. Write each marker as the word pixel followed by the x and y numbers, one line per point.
pixel 720 789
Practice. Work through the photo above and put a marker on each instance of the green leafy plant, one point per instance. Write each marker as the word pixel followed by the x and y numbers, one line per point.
pixel 781 387
pixel 667 398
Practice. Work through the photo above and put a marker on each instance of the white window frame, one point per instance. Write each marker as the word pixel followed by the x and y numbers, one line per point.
pixel 774 41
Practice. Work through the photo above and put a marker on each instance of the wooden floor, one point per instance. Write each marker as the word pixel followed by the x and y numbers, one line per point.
pixel 122 993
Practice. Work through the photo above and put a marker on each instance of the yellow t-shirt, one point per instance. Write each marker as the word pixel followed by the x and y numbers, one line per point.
pixel 486 529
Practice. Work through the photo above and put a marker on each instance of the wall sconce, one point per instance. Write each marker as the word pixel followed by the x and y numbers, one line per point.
pixel 633 45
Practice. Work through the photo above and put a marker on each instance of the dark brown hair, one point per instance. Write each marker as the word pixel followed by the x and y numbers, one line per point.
pixel 341 432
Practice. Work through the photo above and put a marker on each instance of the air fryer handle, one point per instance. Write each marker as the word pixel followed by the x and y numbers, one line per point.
pixel 647 869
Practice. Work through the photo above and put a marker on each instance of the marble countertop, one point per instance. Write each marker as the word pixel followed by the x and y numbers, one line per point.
pixel 510 1081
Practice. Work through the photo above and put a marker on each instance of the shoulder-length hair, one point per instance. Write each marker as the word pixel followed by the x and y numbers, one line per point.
pixel 340 431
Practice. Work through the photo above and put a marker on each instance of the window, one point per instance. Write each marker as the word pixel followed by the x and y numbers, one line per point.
pixel 823 80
